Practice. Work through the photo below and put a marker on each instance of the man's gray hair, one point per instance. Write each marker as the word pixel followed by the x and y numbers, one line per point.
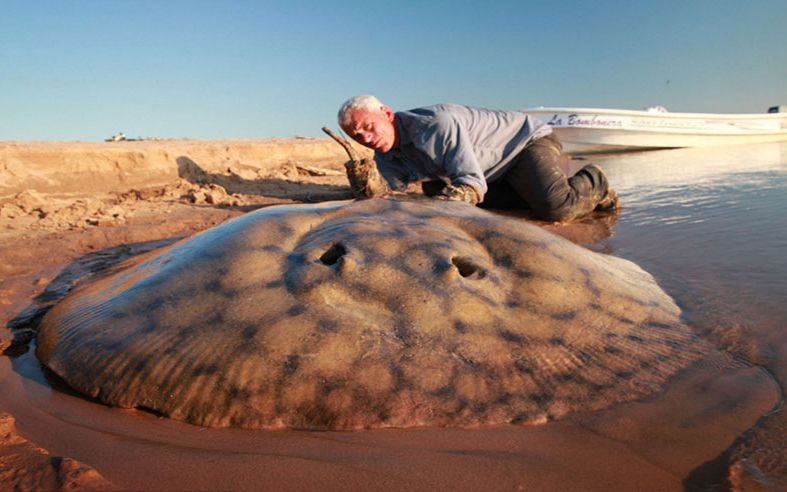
pixel 367 102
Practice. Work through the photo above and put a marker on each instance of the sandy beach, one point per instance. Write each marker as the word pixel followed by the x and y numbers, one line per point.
pixel 68 209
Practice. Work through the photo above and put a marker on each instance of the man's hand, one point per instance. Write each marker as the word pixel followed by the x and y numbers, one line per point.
pixel 460 192
pixel 365 179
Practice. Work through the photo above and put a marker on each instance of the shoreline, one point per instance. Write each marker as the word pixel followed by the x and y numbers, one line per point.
pixel 51 236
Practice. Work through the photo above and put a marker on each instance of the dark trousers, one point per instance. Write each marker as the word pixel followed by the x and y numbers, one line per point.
pixel 537 181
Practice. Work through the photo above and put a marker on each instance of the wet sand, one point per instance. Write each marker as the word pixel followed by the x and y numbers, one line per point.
pixel 644 446
pixel 681 438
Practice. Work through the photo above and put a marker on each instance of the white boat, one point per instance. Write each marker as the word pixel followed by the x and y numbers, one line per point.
pixel 587 130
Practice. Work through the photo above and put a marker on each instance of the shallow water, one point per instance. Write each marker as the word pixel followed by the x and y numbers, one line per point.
pixel 710 225
pixel 707 223
pixel 723 223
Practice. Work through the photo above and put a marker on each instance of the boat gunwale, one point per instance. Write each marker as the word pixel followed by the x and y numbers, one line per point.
pixel 658 114
pixel 679 131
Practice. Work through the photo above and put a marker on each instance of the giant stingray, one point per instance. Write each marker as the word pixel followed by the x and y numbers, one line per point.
pixel 365 314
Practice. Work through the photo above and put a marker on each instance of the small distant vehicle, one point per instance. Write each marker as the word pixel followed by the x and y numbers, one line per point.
pixel 589 130
pixel 119 137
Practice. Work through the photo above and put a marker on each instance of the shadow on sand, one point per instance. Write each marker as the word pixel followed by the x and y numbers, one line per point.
pixel 278 185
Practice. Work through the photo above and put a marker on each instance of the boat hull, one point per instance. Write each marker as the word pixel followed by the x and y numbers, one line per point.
pixel 586 130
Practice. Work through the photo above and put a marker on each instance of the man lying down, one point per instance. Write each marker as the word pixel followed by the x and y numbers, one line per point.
pixel 505 159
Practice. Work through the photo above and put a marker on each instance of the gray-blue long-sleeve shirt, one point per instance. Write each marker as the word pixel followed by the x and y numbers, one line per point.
pixel 456 144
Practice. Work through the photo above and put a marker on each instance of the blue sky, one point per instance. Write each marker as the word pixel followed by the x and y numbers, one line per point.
pixel 84 70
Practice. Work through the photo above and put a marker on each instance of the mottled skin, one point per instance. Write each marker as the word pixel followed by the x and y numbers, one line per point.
pixel 367 314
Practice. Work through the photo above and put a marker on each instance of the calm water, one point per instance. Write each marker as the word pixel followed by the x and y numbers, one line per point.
pixel 710 225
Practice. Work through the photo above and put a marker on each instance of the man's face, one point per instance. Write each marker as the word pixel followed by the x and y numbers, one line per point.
pixel 373 129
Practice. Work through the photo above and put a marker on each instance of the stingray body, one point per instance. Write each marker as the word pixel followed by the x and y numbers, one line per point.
pixel 366 314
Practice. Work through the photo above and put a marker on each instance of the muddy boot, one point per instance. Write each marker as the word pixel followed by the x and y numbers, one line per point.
pixel 609 202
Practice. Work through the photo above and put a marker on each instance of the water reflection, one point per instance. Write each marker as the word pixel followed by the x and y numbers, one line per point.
pixel 639 171
pixel 710 225
pixel 707 217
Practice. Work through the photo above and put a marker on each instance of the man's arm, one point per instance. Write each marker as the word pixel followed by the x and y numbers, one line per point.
pixel 452 149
